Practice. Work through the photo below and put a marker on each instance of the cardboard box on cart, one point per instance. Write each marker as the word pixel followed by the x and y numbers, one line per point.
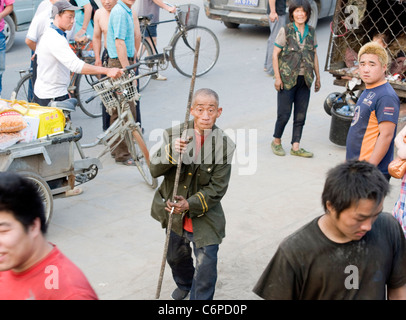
pixel 51 120
pixel 30 132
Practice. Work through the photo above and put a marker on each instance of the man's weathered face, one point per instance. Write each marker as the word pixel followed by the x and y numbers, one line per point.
pixel 205 112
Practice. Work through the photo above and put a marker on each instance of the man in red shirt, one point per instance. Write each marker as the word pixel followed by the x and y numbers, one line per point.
pixel 31 268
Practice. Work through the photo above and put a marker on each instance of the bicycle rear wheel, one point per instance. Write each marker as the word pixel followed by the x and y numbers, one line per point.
pixel 145 51
pixel 182 56
pixel 139 152
pixel 23 91
pixel 88 100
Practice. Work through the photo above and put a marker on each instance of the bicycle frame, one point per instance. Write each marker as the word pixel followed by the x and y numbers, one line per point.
pixel 181 47
pixel 117 94
pixel 86 168
pixel 179 28
pixel 109 137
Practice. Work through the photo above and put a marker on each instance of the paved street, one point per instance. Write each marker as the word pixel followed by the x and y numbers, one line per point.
pixel 108 232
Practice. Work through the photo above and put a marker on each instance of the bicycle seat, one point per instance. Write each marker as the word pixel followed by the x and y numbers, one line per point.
pixel 147 18
pixel 66 105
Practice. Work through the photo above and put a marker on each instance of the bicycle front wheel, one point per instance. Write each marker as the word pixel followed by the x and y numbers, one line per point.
pixel 182 55
pixel 88 100
pixel 145 51
pixel 24 89
pixel 139 152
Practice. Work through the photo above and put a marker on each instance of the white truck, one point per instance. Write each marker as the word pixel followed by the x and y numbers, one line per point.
pixel 236 12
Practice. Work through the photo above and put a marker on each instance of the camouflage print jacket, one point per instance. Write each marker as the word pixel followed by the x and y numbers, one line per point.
pixel 292 55
pixel 203 181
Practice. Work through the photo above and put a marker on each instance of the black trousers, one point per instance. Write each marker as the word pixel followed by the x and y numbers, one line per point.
pixel 45 102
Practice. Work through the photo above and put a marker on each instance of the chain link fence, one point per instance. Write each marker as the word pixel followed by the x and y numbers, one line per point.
pixel 357 22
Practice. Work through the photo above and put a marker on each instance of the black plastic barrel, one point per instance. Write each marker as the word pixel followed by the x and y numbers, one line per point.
pixel 340 124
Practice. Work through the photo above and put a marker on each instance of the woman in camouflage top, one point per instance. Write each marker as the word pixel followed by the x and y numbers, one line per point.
pixel 295 63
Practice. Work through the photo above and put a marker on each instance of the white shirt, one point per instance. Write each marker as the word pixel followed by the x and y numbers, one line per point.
pixel 44 5
pixel 55 62
pixel 39 23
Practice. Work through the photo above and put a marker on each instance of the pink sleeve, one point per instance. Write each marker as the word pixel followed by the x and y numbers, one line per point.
pixel 8 2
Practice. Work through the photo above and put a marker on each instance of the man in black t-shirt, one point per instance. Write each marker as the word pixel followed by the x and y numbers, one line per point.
pixel 353 251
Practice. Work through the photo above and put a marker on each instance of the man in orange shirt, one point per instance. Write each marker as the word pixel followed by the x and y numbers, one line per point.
pixel 372 132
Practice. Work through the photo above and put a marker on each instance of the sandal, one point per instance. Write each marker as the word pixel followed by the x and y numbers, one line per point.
pixel 128 162
pixel 73 192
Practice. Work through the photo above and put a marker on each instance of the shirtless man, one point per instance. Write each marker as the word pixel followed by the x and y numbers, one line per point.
pixel 101 23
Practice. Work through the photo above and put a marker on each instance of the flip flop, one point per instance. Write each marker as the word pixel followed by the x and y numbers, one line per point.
pixel 73 192
pixel 128 162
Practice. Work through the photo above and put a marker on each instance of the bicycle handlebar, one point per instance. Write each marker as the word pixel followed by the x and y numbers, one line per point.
pixel 129 68
pixel 133 66
pixel 126 69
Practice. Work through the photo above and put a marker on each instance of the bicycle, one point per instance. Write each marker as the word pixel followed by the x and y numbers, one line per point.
pixel 115 94
pixel 79 86
pixel 180 49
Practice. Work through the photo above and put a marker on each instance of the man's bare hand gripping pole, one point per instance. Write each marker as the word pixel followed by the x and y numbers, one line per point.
pixel 175 188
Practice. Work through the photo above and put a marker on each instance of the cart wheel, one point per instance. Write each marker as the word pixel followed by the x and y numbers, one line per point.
pixel 92 172
pixel 330 101
pixel 44 191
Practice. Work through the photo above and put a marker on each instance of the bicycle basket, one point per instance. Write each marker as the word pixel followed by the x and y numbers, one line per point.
pixel 189 14
pixel 106 88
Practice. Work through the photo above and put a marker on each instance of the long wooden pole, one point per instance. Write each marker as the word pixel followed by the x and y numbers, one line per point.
pixel 176 184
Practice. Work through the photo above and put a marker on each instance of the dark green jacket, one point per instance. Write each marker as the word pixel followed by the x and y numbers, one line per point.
pixel 203 182
pixel 292 55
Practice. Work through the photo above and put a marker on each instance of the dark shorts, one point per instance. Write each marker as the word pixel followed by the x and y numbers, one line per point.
pixel 152 31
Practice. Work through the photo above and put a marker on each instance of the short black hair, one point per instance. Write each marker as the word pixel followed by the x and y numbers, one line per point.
pixel 208 92
pixel 294 4
pixel 352 181
pixel 20 197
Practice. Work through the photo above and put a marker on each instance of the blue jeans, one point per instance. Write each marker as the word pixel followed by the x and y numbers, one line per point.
pixel 298 96
pixel 199 280
pixel 2 57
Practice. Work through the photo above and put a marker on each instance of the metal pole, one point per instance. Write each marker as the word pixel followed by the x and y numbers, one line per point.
pixel 175 188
